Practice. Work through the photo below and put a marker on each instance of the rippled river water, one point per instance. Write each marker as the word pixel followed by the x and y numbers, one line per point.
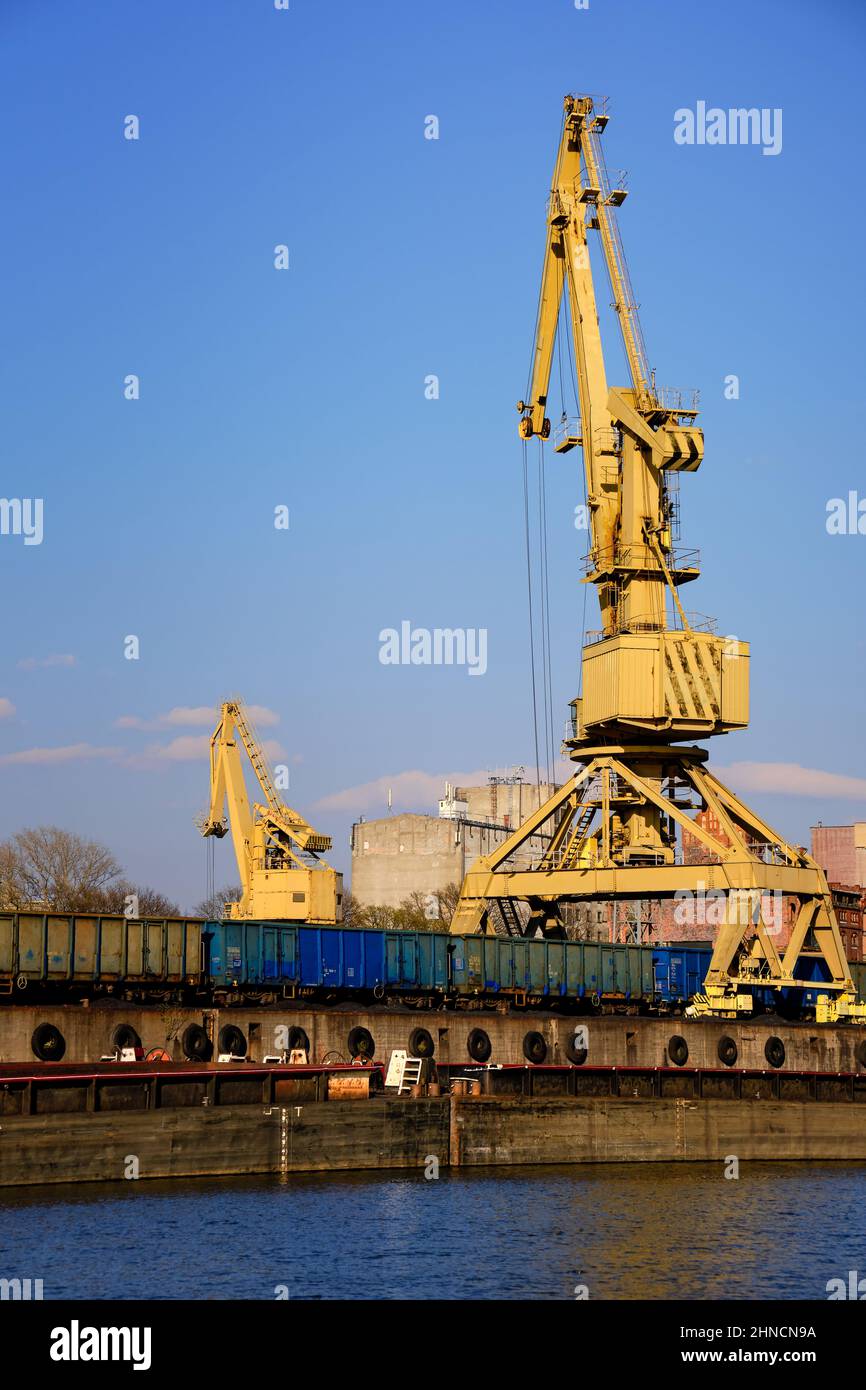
pixel 623 1231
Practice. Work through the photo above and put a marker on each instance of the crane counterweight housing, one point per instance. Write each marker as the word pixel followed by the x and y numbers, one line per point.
pixel 277 851
pixel 653 675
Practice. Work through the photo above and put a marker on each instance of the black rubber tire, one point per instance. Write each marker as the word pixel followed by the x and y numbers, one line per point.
pixel 478 1045
pixel 361 1043
pixel 774 1051
pixel 298 1039
pixel 535 1048
pixel 48 1043
pixel 678 1050
pixel 421 1043
pixel 196 1044
pixel 576 1055
pixel 125 1035
pixel 860 1053
pixel 727 1050
pixel 232 1040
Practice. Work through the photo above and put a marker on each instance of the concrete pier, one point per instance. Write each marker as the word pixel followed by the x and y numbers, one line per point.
pixel 76 1125
pixel 612 1040
pixel 453 1132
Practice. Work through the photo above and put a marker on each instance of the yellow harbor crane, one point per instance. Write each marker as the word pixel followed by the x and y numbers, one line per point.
pixel 282 877
pixel 653 676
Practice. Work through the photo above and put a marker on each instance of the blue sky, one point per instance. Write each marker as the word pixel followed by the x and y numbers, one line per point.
pixel 305 388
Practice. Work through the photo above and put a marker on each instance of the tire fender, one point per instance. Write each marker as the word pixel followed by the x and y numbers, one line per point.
pixel 678 1050
pixel 478 1045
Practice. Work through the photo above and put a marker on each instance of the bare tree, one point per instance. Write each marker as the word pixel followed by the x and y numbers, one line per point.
pixel 351 911
pixel 417 912
pixel 53 868
pixel 10 886
pixel 134 900
pixel 213 909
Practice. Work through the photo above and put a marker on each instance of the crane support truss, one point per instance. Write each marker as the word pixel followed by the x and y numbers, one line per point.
pixel 618 828
pixel 589 855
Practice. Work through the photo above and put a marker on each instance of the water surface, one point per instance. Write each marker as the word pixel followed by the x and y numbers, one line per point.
pixel 624 1231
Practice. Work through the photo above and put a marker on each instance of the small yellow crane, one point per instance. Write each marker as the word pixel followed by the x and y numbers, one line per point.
pixel 277 851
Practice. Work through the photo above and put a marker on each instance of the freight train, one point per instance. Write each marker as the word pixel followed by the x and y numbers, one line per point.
pixel 190 961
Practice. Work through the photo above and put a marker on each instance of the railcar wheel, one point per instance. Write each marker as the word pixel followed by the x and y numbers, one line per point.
pixel 678 1050
pixel 360 1043
pixel 196 1044
pixel 774 1051
pixel 125 1035
pixel 478 1045
pixel 232 1040
pixel 535 1048
pixel 421 1043
pixel 48 1043
pixel 298 1040
pixel 727 1051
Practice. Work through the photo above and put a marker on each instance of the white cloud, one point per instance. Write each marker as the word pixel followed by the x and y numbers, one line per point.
pixel 30 663
pixel 183 749
pixel 790 779
pixel 193 717
pixel 262 717
pixel 7 709
pixel 71 752
pixel 187 748
pixel 421 791
pixel 410 791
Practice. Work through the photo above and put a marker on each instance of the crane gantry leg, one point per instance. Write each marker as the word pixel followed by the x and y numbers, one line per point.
pixel 611 834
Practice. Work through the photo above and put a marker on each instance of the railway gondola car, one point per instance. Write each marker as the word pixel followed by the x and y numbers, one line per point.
pixel 679 972
pixel 76 955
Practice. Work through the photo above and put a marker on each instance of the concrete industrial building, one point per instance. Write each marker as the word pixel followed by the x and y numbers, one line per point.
pixel 407 853
pixel 416 853
pixel 841 852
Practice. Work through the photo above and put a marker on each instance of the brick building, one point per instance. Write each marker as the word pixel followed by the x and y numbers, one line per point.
pixel 848 904
pixel 841 852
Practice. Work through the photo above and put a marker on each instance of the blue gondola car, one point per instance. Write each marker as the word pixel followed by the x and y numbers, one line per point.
pixel 679 972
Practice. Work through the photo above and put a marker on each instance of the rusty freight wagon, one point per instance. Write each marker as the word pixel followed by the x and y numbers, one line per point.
pixel 53 955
